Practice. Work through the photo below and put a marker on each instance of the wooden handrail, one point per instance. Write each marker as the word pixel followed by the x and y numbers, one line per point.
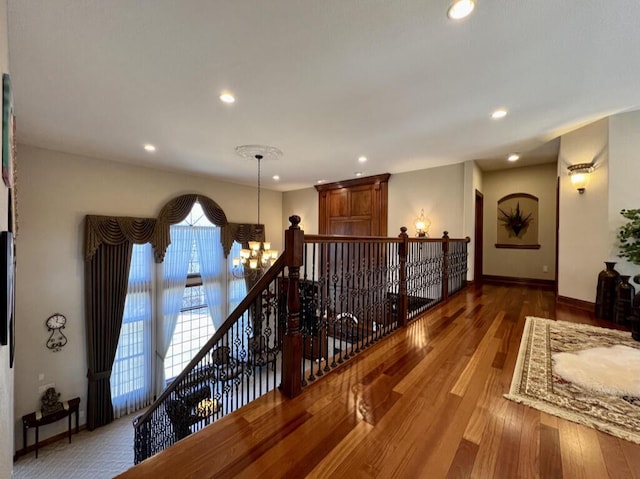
pixel 348 239
pixel 276 269
pixel 252 295
pixel 395 305
pixel 439 240
pixel 374 239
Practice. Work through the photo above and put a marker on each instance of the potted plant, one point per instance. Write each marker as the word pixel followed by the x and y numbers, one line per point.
pixel 629 237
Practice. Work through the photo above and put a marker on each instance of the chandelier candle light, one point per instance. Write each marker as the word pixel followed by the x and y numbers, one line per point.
pixel 259 256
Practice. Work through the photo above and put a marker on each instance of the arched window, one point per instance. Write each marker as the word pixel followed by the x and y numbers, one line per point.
pixel 200 298
pixel 183 299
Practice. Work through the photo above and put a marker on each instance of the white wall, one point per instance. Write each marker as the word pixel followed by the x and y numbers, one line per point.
pixel 439 191
pixel 539 181
pixel 584 240
pixel 6 374
pixel 624 179
pixel 56 191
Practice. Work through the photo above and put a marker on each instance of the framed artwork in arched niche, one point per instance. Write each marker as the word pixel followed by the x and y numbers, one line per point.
pixel 517 225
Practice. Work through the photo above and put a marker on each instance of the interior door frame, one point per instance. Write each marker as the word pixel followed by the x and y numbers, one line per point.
pixel 479 238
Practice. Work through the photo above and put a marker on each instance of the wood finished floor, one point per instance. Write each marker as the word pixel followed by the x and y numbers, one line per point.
pixel 425 403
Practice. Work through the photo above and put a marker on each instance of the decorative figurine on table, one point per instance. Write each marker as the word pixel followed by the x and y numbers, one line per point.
pixel 50 403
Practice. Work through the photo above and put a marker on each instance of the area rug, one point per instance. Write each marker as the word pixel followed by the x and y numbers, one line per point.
pixel 581 373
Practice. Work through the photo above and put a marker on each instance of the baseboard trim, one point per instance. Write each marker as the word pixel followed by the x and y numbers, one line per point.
pixel 46 442
pixel 508 280
pixel 576 303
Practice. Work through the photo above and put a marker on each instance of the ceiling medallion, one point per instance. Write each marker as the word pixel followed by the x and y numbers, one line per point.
pixel 251 152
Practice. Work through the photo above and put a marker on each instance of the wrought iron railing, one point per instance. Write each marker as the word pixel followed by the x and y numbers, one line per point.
pixel 355 290
pixel 325 299
pixel 241 362
pixel 348 295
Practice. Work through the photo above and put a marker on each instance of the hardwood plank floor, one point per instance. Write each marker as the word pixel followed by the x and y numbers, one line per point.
pixel 425 403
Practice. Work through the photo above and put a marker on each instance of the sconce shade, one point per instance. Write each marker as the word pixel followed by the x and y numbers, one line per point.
pixel 422 225
pixel 580 175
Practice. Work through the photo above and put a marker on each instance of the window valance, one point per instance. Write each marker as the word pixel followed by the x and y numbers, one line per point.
pixel 242 233
pixel 115 230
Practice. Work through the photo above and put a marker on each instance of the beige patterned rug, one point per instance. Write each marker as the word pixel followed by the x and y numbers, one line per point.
pixel 581 394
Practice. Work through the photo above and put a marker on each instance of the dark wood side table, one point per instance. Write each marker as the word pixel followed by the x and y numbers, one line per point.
pixel 37 419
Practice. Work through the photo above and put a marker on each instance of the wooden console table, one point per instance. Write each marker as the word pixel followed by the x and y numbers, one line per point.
pixel 37 419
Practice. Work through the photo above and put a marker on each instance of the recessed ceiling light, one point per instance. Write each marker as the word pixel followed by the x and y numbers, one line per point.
pixel 149 147
pixel 362 159
pixel 460 9
pixel 276 177
pixel 227 97
pixel 501 113
pixel 513 157
pixel 358 173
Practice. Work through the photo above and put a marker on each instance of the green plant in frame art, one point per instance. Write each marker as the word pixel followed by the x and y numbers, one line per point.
pixel 515 221
pixel 629 236
pixel 7 131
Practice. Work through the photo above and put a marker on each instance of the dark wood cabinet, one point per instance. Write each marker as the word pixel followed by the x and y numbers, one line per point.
pixel 354 207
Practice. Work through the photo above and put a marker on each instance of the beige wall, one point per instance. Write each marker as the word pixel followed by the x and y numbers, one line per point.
pixel 303 203
pixel 439 191
pixel 539 181
pixel 584 240
pixel 6 374
pixel 472 181
pixel 56 191
pixel 624 179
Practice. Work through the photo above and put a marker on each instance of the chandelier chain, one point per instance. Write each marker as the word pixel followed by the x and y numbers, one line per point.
pixel 259 157
pixel 258 257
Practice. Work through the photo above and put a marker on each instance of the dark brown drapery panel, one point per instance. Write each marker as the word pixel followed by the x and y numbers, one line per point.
pixel 106 278
pixel 107 250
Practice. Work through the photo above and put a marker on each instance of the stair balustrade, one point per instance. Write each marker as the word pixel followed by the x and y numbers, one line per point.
pixel 326 299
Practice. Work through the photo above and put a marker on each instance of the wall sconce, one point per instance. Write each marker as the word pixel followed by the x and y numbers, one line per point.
pixel 580 175
pixel 422 225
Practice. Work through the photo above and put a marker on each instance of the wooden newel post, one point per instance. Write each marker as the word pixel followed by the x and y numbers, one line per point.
pixel 403 302
pixel 292 342
pixel 445 266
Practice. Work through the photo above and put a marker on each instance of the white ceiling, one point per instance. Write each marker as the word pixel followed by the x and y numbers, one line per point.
pixel 325 81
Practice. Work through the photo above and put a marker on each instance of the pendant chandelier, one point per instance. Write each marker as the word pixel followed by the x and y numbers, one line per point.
pixel 256 259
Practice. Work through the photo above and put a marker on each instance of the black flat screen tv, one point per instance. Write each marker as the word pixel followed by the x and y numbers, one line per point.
pixel 6 285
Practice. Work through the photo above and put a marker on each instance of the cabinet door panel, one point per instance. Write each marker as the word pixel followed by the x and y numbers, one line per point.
pixel 354 207
pixel 339 204
pixel 350 227
pixel 361 202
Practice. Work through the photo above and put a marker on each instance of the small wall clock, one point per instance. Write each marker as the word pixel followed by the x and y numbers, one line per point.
pixel 55 323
